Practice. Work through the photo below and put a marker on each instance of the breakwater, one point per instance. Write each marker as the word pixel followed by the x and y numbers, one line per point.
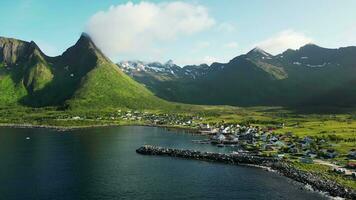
pixel 282 167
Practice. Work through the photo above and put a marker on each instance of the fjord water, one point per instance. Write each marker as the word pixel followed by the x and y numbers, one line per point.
pixel 101 163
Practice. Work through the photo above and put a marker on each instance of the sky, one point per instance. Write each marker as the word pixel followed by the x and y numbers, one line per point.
pixel 188 32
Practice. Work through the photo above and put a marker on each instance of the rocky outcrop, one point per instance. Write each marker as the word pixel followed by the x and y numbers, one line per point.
pixel 284 168
pixel 13 51
pixel 318 183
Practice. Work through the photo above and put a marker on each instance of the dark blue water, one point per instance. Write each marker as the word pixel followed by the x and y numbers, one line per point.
pixel 101 163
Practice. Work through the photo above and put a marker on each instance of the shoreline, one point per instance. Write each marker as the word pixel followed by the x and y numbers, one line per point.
pixel 69 128
pixel 59 128
pixel 305 186
pixel 270 168
pixel 281 167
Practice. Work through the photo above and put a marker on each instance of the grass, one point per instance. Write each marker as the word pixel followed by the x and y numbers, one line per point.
pixel 324 171
pixel 340 128
pixel 118 91
pixel 10 91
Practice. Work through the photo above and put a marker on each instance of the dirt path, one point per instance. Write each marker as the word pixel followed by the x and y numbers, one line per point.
pixel 323 162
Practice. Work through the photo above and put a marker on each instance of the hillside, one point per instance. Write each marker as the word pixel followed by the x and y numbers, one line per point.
pixel 311 75
pixel 82 77
pixel 23 70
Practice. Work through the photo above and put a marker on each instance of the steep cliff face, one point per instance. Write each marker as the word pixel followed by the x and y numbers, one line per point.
pixel 12 50
pixel 24 70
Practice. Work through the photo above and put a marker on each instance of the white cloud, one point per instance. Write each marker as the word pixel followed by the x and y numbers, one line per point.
pixel 198 60
pixel 209 59
pixel 288 39
pixel 135 28
pixel 231 45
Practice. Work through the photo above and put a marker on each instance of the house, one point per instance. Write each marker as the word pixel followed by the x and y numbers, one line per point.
pixel 273 139
pixel 231 137
pixel 280 155
pixel 246 136
pixel 306 160
pixel 204 127
pixel 330 153
pixel 351 165
pixel 307 140
pixel 280 144
pixel 264 137
pixel 221 137
pixel 293 150
pixel 352 154
pixel 226 130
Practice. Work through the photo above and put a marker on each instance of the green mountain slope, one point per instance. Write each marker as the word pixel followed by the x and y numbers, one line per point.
pixel 308 76
pixel 23 70
pixel 82 77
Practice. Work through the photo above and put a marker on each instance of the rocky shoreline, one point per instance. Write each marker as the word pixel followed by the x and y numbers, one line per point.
pixel 59 128
pixel 282 167
pixel 69 128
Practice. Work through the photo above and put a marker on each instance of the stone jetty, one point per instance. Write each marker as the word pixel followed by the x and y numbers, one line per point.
pixel 282 167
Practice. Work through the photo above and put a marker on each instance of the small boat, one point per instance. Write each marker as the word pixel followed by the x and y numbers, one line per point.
pixel 27 138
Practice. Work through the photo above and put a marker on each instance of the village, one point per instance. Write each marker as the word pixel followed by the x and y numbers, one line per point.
pixel 265 142
pixel 262 141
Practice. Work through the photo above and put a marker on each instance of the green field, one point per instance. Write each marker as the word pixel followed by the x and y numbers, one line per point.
pixel 341 128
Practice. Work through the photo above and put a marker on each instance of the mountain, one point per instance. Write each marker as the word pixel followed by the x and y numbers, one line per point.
pixel 310 75
pixel 82 77
pixel 23 70
pixel 164 79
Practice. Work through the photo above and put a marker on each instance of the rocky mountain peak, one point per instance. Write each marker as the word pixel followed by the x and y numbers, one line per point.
pixel 258 52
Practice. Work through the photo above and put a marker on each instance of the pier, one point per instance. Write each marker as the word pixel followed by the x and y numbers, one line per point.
pixel 277 164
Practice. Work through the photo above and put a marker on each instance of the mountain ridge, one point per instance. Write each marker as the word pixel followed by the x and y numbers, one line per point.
pixel 292 78
pixel 82 77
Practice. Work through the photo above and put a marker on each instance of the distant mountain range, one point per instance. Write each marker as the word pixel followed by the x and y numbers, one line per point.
pixel 309 76
pixel 82 77
pixel 168 69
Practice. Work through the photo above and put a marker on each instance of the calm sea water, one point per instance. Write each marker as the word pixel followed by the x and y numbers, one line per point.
pixel 101 163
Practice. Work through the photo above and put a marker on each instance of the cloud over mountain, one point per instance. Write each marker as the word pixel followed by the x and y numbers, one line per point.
pixel 131 27
pixel 288 39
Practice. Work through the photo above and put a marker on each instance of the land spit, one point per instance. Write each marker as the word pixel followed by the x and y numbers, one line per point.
pixel 279 165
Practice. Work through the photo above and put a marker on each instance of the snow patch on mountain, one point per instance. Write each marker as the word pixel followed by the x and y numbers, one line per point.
pixel 165 69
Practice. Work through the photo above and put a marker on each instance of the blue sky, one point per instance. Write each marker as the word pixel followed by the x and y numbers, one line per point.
pixel 186 31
